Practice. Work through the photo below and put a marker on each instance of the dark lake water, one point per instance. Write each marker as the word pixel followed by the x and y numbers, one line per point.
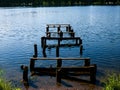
pixel 98 26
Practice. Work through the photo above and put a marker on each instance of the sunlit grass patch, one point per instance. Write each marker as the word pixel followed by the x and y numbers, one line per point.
pixel 112 82
pixel 4 84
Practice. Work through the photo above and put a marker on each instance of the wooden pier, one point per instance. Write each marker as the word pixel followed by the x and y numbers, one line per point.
pixel 60 37
pixel 61 71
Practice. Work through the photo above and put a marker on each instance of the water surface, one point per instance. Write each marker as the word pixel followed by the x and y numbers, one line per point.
pixel 98 26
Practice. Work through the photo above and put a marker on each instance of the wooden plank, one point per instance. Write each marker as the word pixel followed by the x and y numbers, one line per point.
pixel 62 45
pixel 68 70
pixel 59 58
pixel 57 25
pixel 57 32
pixel 63 38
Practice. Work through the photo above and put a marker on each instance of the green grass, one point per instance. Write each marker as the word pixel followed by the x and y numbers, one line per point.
pixel 112 82
pixel 4 84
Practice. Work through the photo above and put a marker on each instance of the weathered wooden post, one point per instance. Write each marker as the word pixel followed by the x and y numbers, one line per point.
pixel 32 65
pixel 58 71
pixel 77 41
pixel 47 29
pixel 35 51
pixel 81 49
pixel 42 41
pixel 58 30
pixel 59 62
pixel 73 34
pixel 87 62
pixel 48 34
pixel 61 34
pixel 80 41
pixel 44 49
pixel 25 75
pixel 93 73
pixel 57 51
pixel 59 41
pixel 69 28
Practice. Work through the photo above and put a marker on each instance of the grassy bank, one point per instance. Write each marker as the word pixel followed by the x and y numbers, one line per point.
pixel 112 82
pixel 4 84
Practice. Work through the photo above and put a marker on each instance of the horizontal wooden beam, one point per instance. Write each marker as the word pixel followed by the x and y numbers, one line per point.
pixel 57 32
pixel 57 25
pixel 63 38
pixel 60 58
pixel 83 70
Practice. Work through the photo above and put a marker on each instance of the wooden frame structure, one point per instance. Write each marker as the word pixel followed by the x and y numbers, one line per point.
pixel 59 71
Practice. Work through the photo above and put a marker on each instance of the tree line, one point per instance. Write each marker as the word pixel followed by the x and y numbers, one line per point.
pixel 42 3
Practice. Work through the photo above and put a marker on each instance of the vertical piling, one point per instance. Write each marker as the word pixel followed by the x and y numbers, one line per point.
pixel 25 74
pixel 80 41
pixel 57 51
pixel 58 30
pixel 42 41
pixel 81 49
pixel 48 34
pixel 47 29
pixel 58 71
pixel 59 42
pixel 93 73
pixel 87 62
pixel 32 64
pixel 67 29
pixel 44 49
pixel 35 51
pixel 76 41
pixel 59 62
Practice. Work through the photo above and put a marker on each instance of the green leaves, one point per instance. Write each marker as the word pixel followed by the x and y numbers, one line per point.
pixel 112 82
pixel 4 84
